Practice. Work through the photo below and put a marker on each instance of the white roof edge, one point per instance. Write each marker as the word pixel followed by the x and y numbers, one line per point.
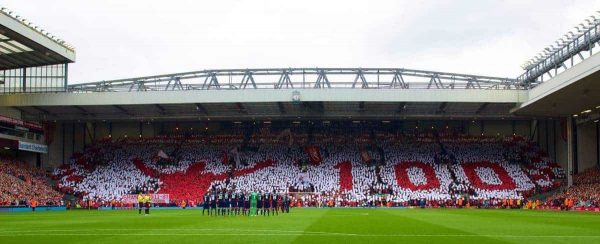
pixel 44 39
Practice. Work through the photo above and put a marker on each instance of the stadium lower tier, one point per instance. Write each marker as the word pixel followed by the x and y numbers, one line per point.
pixel 584 194
pixel 343 170
pixel 21 184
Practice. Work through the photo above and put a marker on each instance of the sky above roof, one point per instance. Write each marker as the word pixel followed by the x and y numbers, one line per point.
pixel 121 39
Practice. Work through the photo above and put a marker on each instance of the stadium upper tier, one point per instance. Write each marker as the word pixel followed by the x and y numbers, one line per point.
pixel 31 59
pixel 24 44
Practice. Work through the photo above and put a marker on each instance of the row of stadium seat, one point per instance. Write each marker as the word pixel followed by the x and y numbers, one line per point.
pixel 20 183
pixel 585 191
pixel 399 168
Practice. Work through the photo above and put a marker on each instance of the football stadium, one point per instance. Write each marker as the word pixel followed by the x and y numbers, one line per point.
pixel 298 154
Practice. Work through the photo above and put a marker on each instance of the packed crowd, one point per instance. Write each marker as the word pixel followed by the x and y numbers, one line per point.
pixel 584 193
pixel 21 184
pixel 368 169
pixel 106 171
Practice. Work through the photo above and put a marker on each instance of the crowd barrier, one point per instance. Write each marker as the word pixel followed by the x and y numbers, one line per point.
pixel 579 209
pixel 153 208
pixel 15 209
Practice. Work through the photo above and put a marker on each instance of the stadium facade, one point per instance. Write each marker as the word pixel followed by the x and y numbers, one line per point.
pixel 554 103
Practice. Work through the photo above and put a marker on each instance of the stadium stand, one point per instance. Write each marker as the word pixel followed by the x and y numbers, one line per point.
pixel 20 183
pixel 585 193
pixel 333 169
pixel 336 166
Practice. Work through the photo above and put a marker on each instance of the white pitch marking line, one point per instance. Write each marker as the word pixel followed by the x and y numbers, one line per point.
pixel 281 233
pixel 78 231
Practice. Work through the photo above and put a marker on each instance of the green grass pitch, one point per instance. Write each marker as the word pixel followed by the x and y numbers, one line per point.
pixel 303 226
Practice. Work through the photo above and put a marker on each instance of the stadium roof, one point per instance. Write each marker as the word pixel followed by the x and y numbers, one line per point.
pixel 249 104
pixel 562 54
pixel 571 93
pixel 22 44
pixel 300 78
pixel 273 111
